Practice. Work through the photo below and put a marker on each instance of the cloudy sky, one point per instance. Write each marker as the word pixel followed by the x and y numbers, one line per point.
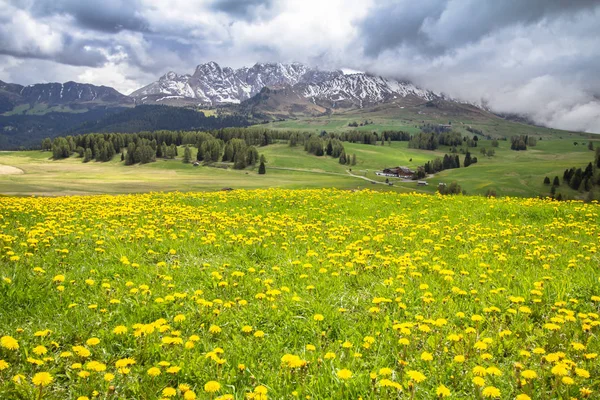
pixel 535 57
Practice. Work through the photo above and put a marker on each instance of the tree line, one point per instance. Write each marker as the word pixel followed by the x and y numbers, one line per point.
pixel 579 179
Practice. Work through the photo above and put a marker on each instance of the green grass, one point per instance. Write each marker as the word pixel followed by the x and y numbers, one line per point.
pixel 509 173
pixel 409 119
pixel 314 294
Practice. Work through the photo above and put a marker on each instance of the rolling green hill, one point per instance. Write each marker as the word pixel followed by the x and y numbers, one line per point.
pixel 409 118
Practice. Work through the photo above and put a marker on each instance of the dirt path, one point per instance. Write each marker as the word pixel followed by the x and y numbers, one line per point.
pixel 10 170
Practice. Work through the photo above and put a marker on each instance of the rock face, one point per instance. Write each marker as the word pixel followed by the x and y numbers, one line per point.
pixel 212 85
pixel 361 90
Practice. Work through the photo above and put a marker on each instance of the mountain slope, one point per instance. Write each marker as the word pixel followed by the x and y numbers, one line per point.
pixel 212 85
pixel 44 96
pixel 294 88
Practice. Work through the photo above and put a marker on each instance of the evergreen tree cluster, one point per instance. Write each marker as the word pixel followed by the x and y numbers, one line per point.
pixel 240 153
pixel 521 142
pixel 142 151
pixel 583 180
pixel 469 160
pixel 439 164
pixel 396 136
pixel 450 138
pixel 424 141
pixel 334 148
pixel 158 117
pixel 578 179
pixel 314 145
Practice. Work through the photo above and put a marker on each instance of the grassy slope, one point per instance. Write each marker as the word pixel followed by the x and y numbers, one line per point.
pixel 409 119
pixel 47 177
pixel 509 172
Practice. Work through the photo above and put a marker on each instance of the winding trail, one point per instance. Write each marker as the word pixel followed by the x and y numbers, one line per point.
pixel 348 173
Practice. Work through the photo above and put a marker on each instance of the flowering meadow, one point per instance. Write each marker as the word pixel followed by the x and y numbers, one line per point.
pixel 314 294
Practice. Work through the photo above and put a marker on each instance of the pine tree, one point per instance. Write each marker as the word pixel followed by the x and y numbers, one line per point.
pixel 546 181
pixel 251 155
pixel 240 161
pixel 467 159
pixel 329 150
pixel 261 168
pixel 263 159
pixel 343 158
pixel 87 155
pixel 46 144
pixel 353 159
pixel 556 181
pixel 187 155
pixel 122 156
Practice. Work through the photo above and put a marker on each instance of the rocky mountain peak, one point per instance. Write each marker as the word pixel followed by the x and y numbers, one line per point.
pixel 212 84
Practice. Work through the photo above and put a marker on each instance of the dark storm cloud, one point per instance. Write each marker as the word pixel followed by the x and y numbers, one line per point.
pixel 105 16
pixel 432 27
pixel 245 9
pixel 75 56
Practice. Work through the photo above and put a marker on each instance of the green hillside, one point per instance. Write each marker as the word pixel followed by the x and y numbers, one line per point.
pixel 391 117
pixel 509 173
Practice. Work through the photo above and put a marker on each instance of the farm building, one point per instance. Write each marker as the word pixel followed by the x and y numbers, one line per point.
pixel 397 172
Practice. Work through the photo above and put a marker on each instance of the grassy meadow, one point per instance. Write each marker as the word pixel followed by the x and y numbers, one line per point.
pixel 285 294
pixel 408 119
pixel 509 173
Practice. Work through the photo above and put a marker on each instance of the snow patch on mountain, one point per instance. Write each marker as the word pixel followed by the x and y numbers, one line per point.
pixel 213 85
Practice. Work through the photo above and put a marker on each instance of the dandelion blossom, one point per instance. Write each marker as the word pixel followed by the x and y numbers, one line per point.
pixel 344 374
pixel 212 386
pixel 42 379
pixel 442 391
pixel 9 343
pixel 491 392
pixel 416 376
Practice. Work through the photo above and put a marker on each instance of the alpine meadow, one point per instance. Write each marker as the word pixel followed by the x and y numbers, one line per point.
pixel 298 294
pixel 299 200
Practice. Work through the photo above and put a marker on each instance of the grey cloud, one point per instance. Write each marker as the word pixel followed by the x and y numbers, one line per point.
pixel 245 9
pixel 432 27
pixel 106 16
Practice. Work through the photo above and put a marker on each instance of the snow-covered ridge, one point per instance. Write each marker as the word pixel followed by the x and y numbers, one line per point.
pixel 363 89
pixel 213 84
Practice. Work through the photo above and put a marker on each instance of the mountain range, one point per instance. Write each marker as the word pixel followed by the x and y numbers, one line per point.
pixel 291 88
pixel 211 85
pixel 265 91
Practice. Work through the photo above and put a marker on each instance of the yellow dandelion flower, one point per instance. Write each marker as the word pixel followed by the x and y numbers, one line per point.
pixel 212 386
pixel 491 392
pixel 442 391
pixel 344 374
pixel 9 343
pixel 42 379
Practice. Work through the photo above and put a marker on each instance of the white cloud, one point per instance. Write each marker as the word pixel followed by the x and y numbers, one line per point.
pixel 533 57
